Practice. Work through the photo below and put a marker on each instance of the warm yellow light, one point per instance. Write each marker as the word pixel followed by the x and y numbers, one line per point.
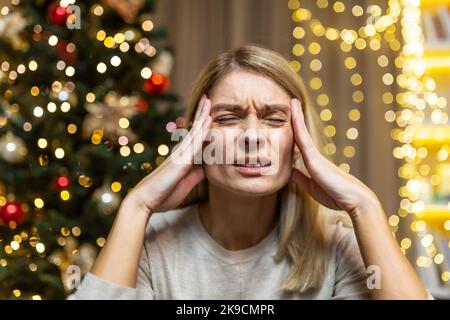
pixel 163 150
pixel 147 25
pixel 119 38
pixel 124 123
pixel 15 245
pixel 53 40
pixel 98 10
pixel 352 133
pixel 39 203
pixel 101 35
pixel 146 73
pixel 116 186
pixel 71 128
pixel 90 97
pixel 40 247
pixel 101 67
pixel 65 195
pixel 59 153
pixel 125 151
pixel 76 231
pixel 315 83
pixel 109 42
pixel 338 7
pixel 42 143
pixel 116 61
pixel 326 115
pixel 38 112
pixel 298 33
pixel 138 148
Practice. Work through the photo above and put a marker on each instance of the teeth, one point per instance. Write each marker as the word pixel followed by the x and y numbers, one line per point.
pixel 258 165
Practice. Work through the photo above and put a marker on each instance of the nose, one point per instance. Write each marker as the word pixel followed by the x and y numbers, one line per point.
pixel 253 137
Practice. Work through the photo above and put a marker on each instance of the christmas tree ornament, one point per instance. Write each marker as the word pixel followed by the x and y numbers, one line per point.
pixel 106 200
pixel 57 14
pixel 11 211
pixel 157 84
pixel 12 148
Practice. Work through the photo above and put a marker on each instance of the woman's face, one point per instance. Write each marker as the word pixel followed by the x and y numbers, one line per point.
pixel 251 114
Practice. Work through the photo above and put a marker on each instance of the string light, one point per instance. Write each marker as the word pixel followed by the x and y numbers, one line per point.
pixel 420 145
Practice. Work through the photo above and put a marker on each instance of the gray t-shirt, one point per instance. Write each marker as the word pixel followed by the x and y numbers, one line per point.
pixel 180 260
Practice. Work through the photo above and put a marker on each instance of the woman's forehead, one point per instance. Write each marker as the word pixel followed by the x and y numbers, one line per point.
pixel 241 87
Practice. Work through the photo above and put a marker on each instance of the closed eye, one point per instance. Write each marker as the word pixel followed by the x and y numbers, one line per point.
pixel 226 119
pixel 278 121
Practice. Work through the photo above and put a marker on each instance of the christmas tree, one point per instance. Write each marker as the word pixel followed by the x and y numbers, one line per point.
pixel 86 112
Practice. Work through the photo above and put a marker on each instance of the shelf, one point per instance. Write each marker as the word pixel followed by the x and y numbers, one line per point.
pixel 432 135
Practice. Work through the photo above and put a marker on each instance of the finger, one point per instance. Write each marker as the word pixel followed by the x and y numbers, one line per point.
pixel 199 122
pixel 302 137
pixel 199 137
pixel 192 144
pixel 186 151
pixel 199 107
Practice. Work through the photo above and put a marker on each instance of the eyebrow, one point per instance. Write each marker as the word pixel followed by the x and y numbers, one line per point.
pixel 234 107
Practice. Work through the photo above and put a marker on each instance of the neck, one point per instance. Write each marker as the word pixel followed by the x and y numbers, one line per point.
pixel 238 221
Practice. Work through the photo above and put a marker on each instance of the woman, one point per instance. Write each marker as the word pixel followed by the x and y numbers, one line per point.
pixel 258 227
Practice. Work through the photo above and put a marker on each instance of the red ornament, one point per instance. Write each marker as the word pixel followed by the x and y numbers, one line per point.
pixel 62 181
pixel 57 14
pixel 11 211
pixel 157 84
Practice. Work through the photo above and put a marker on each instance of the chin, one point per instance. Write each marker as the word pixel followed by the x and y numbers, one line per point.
pixel 248 185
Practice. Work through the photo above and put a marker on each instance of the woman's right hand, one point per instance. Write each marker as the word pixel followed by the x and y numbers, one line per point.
pixel 169 184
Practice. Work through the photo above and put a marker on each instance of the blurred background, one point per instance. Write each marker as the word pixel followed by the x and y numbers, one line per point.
pixel 91 90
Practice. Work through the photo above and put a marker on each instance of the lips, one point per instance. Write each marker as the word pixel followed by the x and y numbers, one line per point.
pixel 252 166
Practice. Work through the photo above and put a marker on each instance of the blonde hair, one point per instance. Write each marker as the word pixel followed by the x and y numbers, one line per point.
pixel 302 219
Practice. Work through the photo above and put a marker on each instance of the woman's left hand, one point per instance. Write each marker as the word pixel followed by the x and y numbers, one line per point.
pixel 328 184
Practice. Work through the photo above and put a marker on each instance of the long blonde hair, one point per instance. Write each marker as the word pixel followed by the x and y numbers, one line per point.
pixel 302 219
